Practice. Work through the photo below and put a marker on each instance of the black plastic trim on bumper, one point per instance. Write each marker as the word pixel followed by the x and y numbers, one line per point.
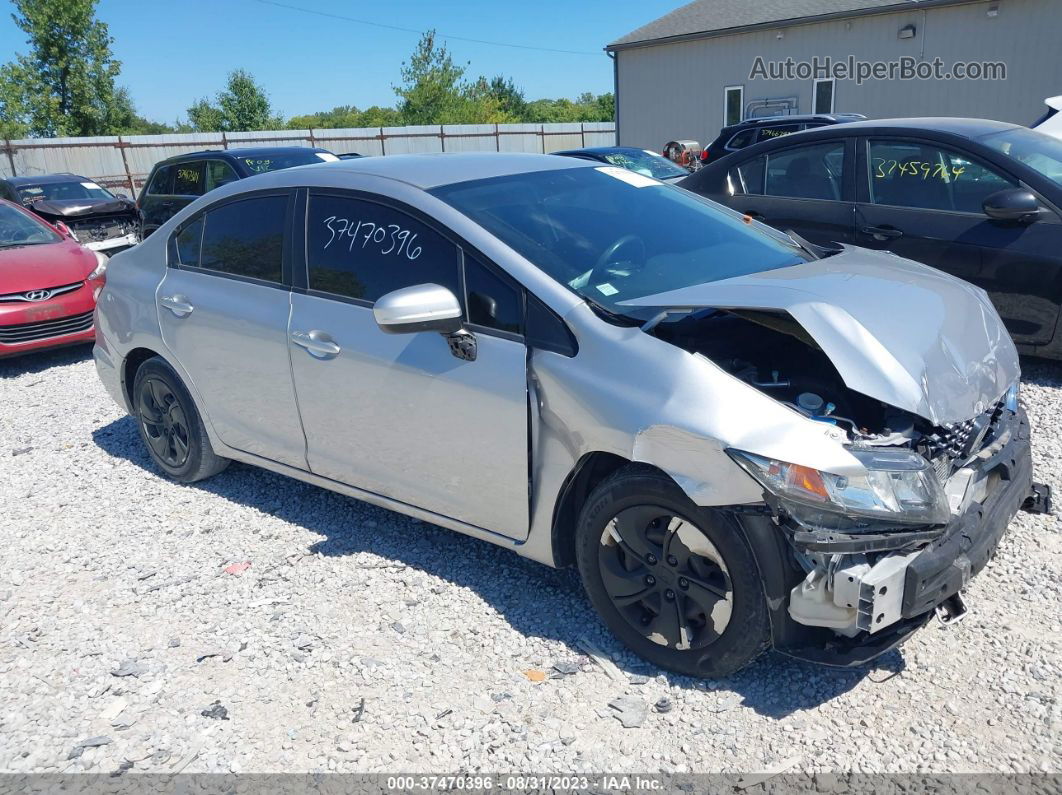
pixel 968 543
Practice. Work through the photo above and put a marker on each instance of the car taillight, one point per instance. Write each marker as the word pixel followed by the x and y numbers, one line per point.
pixel 704 155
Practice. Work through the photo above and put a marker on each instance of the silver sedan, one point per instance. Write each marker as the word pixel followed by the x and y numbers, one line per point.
pixel 743 441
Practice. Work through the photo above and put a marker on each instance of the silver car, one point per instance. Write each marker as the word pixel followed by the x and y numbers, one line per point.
pixel 743 442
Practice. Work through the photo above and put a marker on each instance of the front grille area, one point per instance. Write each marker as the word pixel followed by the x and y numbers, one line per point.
pixel 32 332
pixel 94 230
pixel 953 444
pixel 51 291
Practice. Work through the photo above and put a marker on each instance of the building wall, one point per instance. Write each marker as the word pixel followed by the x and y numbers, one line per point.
pixel 675 91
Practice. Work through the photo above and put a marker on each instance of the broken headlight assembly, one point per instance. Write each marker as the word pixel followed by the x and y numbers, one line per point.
pixel 898 488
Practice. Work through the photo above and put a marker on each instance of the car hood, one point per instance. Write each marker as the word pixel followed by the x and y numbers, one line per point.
pixel 75 208
pixel 44 265
pixel 897 331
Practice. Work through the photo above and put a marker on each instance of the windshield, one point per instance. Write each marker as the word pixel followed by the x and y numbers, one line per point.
pixel 19 229
pixel 611 235
pixel 647 163
pixel 275 162
pixel 58 191
pixel 1038 151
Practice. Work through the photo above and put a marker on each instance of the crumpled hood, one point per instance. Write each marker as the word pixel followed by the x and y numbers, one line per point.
pixel 74 208
pixel 897 331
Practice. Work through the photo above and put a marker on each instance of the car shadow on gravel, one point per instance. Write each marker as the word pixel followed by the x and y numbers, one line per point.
pixel 30 363
pixel 535 600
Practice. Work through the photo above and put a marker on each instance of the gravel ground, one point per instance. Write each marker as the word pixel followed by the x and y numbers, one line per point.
pixel 253 623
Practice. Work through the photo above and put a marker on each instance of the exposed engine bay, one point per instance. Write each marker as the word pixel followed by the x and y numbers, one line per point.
pixel 856 569
pixel 109 225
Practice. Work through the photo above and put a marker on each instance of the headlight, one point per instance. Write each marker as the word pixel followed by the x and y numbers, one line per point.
pixel 898 488
pixel 1010 399
pixel 101 267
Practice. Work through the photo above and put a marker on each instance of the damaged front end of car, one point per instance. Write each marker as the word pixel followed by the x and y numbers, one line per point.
pixel 105 225
pixel 926 408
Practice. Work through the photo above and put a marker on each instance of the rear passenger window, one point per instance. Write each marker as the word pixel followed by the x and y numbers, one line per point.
pixel 742 139
pixel 777 131
pixel 246 238
pixel 747 178
pixel 218 173
pixel 187 243
pixel 807 172
pixel 187 179
pixel 493 301
pixel 162 182
pixel 360 249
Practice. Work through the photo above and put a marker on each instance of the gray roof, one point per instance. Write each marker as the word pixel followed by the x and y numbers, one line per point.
pixel 714 16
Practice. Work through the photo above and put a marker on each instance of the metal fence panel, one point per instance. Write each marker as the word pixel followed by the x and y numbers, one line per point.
pixel 122 163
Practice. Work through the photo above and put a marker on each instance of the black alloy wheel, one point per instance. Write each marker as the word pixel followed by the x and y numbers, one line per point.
pixel 164 423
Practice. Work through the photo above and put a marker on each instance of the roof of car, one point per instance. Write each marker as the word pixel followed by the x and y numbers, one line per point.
pixel 432 170
pixel 248 151
pixel 46 179
pixel 970 128
pixel 797 117
pixel 599 150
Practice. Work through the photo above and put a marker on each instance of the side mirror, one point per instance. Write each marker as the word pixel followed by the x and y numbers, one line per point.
pixel 423 307
pixel 1013 204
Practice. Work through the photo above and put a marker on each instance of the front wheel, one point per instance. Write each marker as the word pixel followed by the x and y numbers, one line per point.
pixel 677 583
pixel 170 425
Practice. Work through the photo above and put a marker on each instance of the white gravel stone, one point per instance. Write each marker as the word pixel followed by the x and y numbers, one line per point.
pixel 104 563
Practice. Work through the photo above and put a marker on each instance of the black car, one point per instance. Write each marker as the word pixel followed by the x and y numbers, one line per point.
pixel 753 131
pixel 97 218
pixel 979 199
pixel 178 181
pixel 641 161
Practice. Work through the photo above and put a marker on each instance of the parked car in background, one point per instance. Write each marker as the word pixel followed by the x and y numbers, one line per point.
pixel 978 199
pixel 1051 122
pixel 178 181
pixel 501 344
pixel 48 284
pixel 98 219
pixel 753 131
pixel 641 161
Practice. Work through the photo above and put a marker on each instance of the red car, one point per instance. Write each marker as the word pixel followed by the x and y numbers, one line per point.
pixel 48 284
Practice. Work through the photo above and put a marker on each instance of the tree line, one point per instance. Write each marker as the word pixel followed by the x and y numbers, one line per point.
pixel 67 85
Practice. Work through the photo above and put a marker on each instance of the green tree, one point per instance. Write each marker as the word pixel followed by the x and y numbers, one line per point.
pixel 66 84
pixel 242 106
pixel 510 99
pixel 431 84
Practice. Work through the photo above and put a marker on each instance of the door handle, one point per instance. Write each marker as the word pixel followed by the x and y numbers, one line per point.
pixel 177 304
pixel 317 343
pixel 882 232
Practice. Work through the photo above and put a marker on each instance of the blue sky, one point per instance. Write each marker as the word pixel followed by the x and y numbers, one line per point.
pixel 174 52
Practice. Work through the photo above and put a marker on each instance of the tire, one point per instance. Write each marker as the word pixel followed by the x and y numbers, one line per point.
pixel 170 425
pixel 678 584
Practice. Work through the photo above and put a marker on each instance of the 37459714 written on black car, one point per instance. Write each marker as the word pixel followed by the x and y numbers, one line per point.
pixel 590 367
pixel 981 200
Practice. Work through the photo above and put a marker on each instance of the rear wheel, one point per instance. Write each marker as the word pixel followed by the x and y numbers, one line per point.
pixel 171 426
pixel 676 583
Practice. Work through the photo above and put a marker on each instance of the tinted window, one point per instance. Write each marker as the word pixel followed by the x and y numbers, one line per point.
pixel 610 235
pixel 187 243
pixel 276 161
pixel 807 172
pixel 162 182
pixel 218 173
pixel 187 179
pixel 748 176
pixel 742 139
pixel 777 131
pixel 493 301
pixel 246 238
pixel 58 191
pixel 364 250
pixel 911 174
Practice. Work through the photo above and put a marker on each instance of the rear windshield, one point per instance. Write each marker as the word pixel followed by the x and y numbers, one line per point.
pixel 58 191
pixel 611 235
pixel 19 229
pixel 275 162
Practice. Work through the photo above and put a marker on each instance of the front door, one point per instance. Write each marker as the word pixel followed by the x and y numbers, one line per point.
pixel 798 188
pixel 923 201
pixel 223 308
pixel 398 414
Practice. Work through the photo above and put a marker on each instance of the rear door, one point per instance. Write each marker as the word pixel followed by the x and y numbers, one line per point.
pixel 922 200
pixel 398 414
pixel 806 188
pixel 172 188
pixel 223 308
